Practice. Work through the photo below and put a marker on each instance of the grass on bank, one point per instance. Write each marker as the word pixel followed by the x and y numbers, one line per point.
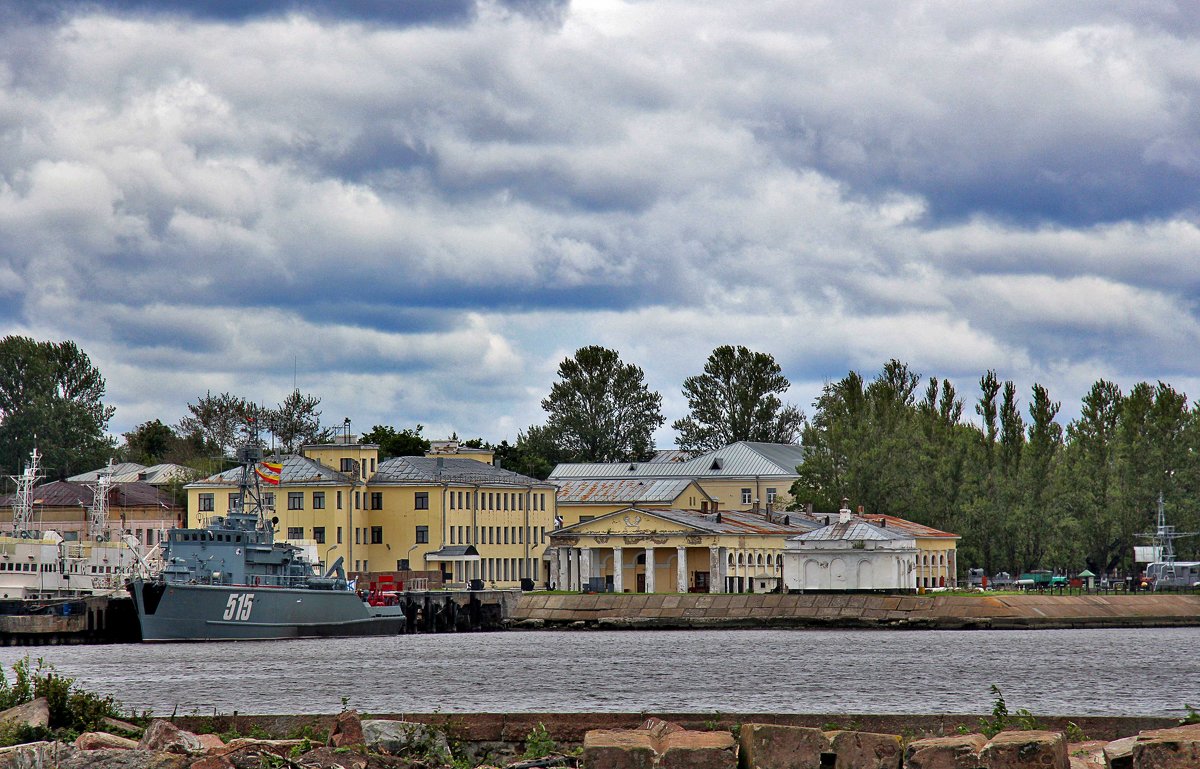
pixel 73 710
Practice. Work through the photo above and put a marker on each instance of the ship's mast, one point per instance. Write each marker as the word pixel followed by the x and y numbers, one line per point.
pixel 98 513
pixel 23 500
pixel 1163 539
pixel 249 498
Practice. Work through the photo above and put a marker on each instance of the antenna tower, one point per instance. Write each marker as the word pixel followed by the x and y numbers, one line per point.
pixel 98 513
pixel 23 500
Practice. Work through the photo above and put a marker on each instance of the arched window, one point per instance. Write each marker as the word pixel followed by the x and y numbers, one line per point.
pixel 731 561
pixel 760 559
pixel 769 559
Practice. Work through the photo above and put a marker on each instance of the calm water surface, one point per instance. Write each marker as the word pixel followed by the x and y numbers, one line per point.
pixel 1065 672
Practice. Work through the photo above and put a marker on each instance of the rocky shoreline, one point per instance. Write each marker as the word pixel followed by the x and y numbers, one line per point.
pixel 441 741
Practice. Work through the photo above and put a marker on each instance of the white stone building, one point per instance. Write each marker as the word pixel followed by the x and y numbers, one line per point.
pixel 851 554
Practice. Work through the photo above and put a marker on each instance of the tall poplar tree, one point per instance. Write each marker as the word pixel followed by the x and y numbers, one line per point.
pixel 600 409
pixel 737 399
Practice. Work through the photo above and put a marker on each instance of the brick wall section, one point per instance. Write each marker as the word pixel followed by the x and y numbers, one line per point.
pixel 858 610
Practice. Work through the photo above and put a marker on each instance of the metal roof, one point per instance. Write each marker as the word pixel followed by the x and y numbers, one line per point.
pixel 622 491
pixel 725 522
pixel 909 527
pixel 72 494
pixel 297 471
pixel 448 469
pixel 854 530
pixel 738 460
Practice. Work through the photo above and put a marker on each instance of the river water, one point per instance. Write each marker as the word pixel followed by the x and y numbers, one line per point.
pixel 1049 672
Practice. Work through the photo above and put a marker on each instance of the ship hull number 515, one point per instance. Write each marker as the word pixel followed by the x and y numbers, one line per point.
pixel 238 606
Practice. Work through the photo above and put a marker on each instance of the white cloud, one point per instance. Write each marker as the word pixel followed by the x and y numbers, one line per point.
pixel 424 220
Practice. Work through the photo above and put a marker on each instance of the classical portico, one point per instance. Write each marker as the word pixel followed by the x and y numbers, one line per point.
pixel 672 551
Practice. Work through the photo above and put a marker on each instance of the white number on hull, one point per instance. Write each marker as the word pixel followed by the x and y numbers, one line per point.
pixel 238 606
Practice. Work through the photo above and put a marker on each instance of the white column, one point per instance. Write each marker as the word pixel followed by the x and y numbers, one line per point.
pixel 716 582
pixel 618 569
pixel 681 585
pixel 650 570
pixel 572 570
pixel 585 566
pixel 554 578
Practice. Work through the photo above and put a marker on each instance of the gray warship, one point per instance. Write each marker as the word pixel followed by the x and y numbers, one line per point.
pixel 231 581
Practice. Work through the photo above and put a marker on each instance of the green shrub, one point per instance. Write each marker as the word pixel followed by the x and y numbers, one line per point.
pixel 72 709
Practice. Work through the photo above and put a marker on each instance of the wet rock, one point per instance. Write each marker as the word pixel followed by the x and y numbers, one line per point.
pixel 866 750
pixel 1167 751
pixel 165 736
pixel 958 752
pixel 347 730
pixel 34 714
pixel 1025 750
pixel 101 740
pixel 402 738
pixel 770 746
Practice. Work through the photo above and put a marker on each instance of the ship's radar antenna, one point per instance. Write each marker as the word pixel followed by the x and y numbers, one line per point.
pixel 98 513
pixel 23 499
pixel 1162 541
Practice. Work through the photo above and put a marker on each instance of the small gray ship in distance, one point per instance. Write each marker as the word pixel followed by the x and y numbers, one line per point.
pixel 231 581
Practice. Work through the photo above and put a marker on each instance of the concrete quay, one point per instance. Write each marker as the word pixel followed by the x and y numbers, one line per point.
pixel 940 612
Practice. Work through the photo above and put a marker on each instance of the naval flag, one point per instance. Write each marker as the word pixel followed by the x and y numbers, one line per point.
pixel 268 472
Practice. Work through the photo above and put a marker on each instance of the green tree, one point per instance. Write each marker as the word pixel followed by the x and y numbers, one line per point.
pixel 397 443
pixel 150 443
pixel 736 399
pixel 296 421
pixel 601 410
pixel 535 452
pixel 220 420
pixel 1088 477
pixel 52 396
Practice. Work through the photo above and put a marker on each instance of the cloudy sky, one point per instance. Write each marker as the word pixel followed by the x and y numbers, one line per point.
pixel 414 209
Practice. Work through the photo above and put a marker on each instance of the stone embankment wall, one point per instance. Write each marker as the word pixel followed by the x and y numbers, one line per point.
pixel 1001 612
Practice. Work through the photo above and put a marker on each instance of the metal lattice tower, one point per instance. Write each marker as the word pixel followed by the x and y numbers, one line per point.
pixel 98 513
pixel 1163 539
pixel 23 500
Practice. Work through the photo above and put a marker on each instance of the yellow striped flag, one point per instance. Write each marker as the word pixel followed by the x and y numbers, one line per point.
pixel 268 472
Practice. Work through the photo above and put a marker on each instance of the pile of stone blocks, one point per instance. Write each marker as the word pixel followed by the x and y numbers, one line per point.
pixel 769 746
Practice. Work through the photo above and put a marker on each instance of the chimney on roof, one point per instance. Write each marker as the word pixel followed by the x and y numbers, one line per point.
pixel 883 523
pixel 718 517
pixel 844 513
pixel 808 507
pixel 861 509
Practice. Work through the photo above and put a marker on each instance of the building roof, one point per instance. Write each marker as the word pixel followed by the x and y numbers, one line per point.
pixel 738 460
pixel 624 491
pixel 854 530
pixel 128 472
pixel 297 471
pixel 745 522
pixel 73 494
pixel 447 469
pixel 671 455
pixel 909 527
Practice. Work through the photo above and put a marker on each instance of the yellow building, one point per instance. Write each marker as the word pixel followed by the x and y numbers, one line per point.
pixel 647 550
pixel 741 476
pixel 451 513
pixel 466 518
